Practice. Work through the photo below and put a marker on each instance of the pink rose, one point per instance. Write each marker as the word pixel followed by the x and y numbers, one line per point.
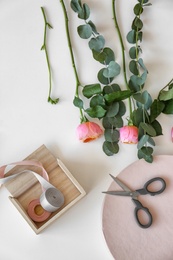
pixel 88 131
pixel 129 134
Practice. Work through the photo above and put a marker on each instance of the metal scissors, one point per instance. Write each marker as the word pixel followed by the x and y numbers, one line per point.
pixel 134 195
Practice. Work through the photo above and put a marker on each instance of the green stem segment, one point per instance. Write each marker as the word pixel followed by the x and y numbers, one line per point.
pixel 123 55
pixel 44 47
pixel 78 84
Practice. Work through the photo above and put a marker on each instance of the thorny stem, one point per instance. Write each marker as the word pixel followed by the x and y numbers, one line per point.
pixel 123 53
pixel 78 84
pixel 44 47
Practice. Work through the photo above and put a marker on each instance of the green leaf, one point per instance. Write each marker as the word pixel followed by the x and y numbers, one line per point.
pixel 138 23
pixel 76 6
pixel 111 135
pixel 97 100
pixel 105 56
pixel 106 124
pixel 78 102
pixel 148 128
pixel 84 31
pixel 90 90
pixel 112 70
pixel 141 63
pixel 111 88
pixel 138 9
pixel 142 141
pixel 110 148
pixel 133 52
pixel 157 126
pixel 97 43
pixel 166 95
pixel 113 109
pixel 131 36
pixel 94 29
pixel 146 154
pixel 96 112
pixel 122 108
pixel 156 109
pixel 103 79
pixel 116 121
pixel 84 13
pixel 117 96
pixel 133 67
pixel 168 109
pixel 141 97
pixel 137 116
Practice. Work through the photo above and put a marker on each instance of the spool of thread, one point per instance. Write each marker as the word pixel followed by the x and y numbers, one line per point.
pixel 37 212
pixel 52 199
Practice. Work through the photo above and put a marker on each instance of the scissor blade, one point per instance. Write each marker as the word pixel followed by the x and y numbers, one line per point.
pixel 120 183
pixel 118 193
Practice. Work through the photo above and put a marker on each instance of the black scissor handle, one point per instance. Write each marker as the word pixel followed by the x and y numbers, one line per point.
pixel 146 189
pixel 139 207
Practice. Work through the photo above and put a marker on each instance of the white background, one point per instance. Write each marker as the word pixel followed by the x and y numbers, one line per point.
pixel 27 120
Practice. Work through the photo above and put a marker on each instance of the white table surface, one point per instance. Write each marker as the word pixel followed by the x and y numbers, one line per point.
pixel 27 121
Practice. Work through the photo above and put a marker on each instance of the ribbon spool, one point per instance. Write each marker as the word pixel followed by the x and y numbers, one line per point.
pixel 36 212
pixel 50 200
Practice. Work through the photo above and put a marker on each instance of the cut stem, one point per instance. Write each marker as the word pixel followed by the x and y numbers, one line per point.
pixel 78 84
pixel 44 47
pixel 123 54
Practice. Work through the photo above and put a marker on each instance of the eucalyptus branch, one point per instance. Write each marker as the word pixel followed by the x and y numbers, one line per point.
pixel 44 47
pixel 78 84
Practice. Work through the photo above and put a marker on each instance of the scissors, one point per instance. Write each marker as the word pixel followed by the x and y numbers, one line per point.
pixel 134 195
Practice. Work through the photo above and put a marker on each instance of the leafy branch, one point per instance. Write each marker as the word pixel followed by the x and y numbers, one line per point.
pixel 106 98
pixel 44 47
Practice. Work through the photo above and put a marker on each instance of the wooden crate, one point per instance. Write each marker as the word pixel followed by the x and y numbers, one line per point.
pixel 25 187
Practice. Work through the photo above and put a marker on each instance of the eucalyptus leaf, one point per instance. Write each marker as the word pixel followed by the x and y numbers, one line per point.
pixel 137 116
pixel 156 109
pixel 116 121
pixel 133 52
pixel 96 112
pixel 92 89
pixel 84 31
pixel 148 128
pixel 133 67
pixel 157 126
pixel 141 63
pixel 151 141
pixel 102 78
pixel 97 43
pixel 111 88
pixel 113 109
pixel 106 123
pixel 138 23
pixel 78 102
pixel 76 6
pixel 94 29
pixel 111 135
pixel 105 56
pixel 142 141
pixel 84 13
pixel 110 148
pixel 97 100
pixel 138 9
pixel 146 154
pixel 131 36
pixel 112 70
